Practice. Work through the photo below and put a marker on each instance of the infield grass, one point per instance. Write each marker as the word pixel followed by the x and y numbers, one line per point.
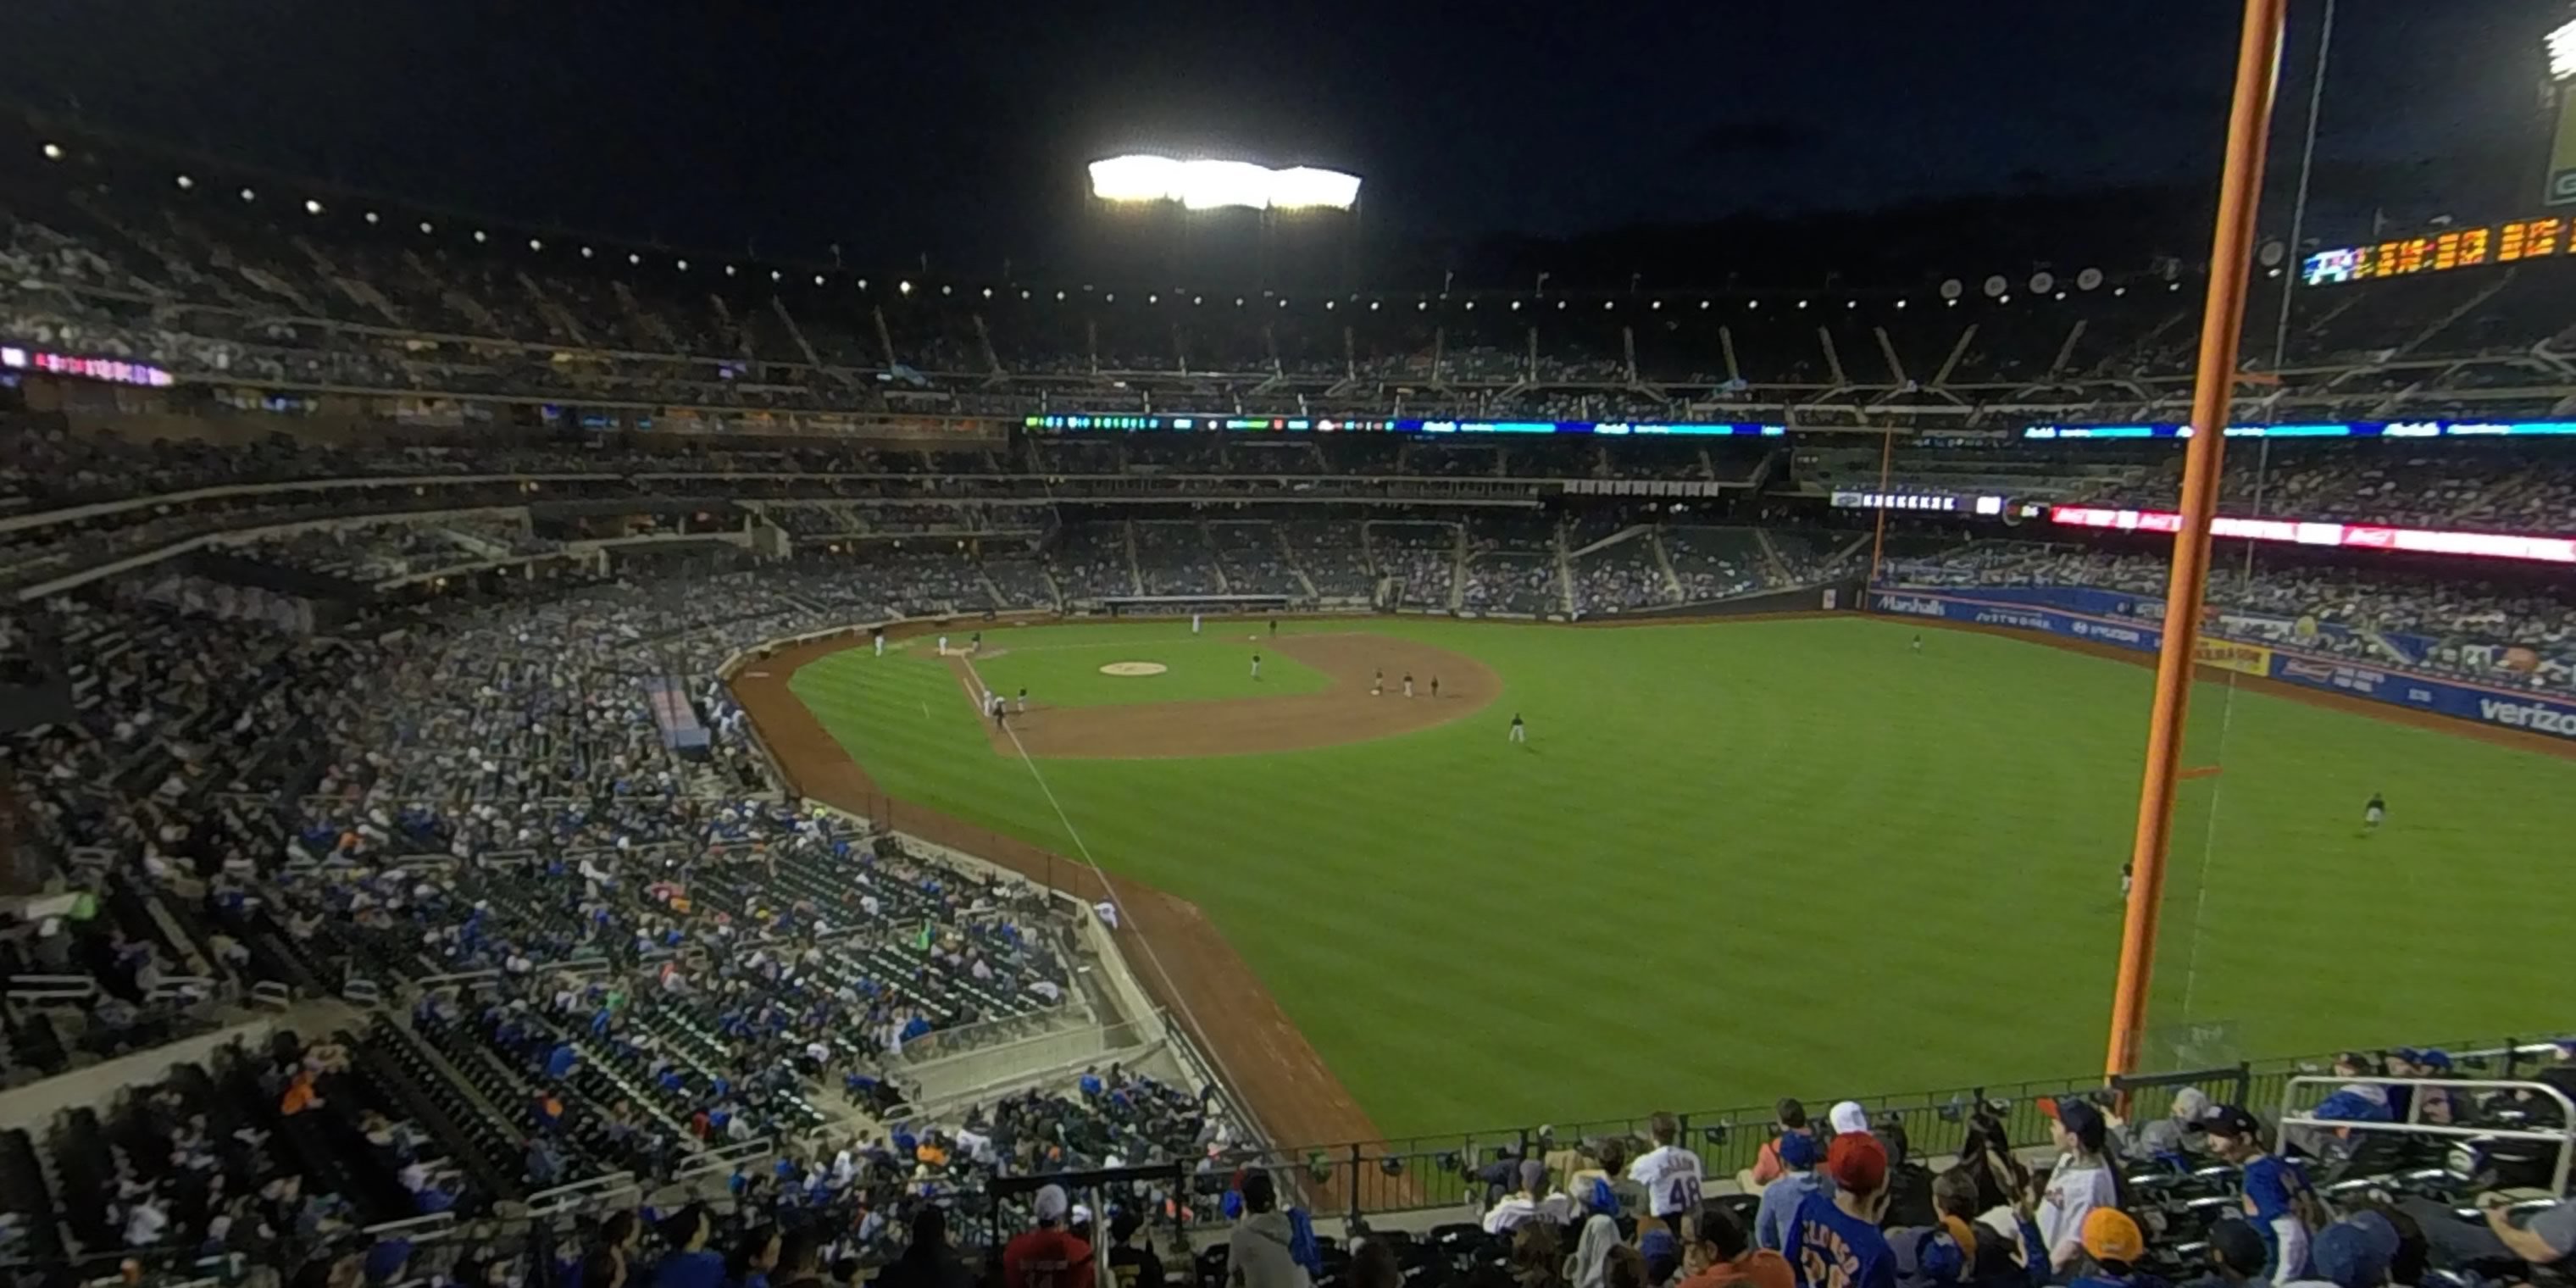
pixel 1743 860
pixel 1060 665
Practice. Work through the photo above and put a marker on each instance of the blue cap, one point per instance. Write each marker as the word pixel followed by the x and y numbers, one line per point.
pixel 386 1259
pixel 2433 1058
pixel 2355 1253
pixel 1797 1149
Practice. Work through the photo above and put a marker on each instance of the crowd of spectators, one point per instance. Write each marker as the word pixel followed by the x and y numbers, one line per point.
pixel 630 952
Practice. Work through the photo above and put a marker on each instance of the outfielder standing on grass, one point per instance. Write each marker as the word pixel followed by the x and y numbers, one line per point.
pixel 1520 732
pixel 1256 666
pixel 879 634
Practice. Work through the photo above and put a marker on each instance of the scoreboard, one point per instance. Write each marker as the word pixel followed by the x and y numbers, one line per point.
pixel 2522 239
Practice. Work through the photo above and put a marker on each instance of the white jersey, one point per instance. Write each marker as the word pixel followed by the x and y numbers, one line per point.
pixel 1671 1176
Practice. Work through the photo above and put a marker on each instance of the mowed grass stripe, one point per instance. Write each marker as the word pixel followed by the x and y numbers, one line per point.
pixel 1751 859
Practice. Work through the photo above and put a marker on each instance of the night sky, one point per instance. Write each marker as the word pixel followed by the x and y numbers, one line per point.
pixel 960 129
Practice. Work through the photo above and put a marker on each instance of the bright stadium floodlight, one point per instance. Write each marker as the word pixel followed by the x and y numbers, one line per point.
pixel 1214 185
pixel 1305 187
pixel 2562 52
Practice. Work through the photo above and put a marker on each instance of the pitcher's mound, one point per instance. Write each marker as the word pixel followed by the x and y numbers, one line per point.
pixel 1134 668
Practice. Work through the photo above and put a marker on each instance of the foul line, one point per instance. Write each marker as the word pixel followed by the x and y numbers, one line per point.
pixel 1109 890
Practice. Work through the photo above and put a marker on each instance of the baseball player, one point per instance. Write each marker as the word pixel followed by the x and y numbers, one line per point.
pixel 2374 813
pixel 1435 688
pixel 1520 732
pixel 1024 699
pixel 975 644
pixel 943 646
pixel 880 638
pixel 1194 623
pixel 1377 683
pixel 1408 684
pixel 1256 666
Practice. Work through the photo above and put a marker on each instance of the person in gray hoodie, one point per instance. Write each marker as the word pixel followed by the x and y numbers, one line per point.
pixel 1257 1252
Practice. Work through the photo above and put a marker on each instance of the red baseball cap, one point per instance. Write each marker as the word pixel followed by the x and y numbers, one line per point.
pixel 1857 1162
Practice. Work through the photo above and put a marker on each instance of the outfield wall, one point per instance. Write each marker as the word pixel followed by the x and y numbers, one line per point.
pixel 2085 614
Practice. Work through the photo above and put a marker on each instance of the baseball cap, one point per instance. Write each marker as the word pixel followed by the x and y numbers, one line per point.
pixel 1926 1255
pixel 2230 1121
pixel 2352 1255
pixel 387 1259
pixel 2113 1235
pixel 2434 1058
pixel 1857 1162
pixel 2239 1245
pixel 1663 1252
pixel 1848 1116
pixel 1798 1149
pixel 1051 1203
pixel 2078 1115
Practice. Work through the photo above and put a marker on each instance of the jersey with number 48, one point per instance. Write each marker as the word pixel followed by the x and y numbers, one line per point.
pixel 1671 1176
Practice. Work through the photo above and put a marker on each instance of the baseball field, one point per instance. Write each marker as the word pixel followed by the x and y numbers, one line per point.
pixel 1733 860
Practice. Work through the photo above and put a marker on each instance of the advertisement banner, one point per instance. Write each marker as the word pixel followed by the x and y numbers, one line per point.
pixel 2509 708
pixel 2228 655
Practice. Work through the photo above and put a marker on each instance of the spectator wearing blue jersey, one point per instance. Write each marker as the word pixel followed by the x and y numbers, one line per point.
pixel 2279 1201
pixel 2359 1102
pixel 689 1263
pixel 1834 1241
pixel 1780 1199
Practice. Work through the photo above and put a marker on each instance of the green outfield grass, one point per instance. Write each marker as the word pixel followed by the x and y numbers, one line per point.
pixel 1791 857
pixel 1060 665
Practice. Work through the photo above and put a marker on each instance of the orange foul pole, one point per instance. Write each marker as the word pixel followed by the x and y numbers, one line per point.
pixel 2258 56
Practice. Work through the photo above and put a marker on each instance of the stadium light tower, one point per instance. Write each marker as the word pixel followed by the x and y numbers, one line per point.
pixel 1215 185
pixel 2222 320
pixel 1223 223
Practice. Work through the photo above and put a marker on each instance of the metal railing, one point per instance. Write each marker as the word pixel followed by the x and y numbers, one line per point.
pixel 2563 1137
pixel 1370 1177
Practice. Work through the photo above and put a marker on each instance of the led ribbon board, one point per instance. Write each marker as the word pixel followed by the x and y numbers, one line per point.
pixel 2349 536
pixel 2353 429
pixel 1339 425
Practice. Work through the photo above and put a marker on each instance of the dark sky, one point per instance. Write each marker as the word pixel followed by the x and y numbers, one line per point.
pixel 961 127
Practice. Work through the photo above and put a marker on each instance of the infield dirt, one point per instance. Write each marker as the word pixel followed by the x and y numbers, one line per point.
pixel 1365 699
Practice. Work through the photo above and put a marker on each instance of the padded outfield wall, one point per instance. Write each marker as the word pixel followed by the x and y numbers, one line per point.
pixel 2126 621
